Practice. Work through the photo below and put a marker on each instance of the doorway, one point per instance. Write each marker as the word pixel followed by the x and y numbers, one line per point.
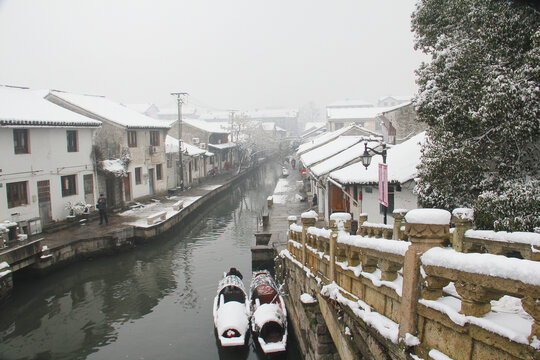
pixel 88 181
pixel 44 201
pixel 151 181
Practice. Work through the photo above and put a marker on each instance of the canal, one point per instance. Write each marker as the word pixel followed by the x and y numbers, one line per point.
pixel 154 302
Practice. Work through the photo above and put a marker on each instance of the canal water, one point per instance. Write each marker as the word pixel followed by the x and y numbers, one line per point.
pixel 154 302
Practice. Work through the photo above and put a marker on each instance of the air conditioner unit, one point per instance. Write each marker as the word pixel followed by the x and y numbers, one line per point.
pixel 202 145
pixel 195 141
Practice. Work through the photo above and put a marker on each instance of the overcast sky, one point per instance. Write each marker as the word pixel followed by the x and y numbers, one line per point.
pixel 239 54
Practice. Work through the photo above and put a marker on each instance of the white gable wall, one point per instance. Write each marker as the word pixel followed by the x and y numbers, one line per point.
pixel 48 160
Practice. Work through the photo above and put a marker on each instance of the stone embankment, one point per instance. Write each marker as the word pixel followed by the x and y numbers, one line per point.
pixel 415 290
pixel 86 238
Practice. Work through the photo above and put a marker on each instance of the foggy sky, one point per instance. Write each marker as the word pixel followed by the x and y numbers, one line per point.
pixel 239 54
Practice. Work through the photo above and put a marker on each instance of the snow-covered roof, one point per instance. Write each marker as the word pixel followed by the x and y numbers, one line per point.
pixel 350 103
pixel 227 145
pixel 397 98
pixel 329 136
pixel 171 146
pixel 402 160
pixel 311 125
pixel 216 116
pixel 141 108
pixel 211 127
pixel 328 150
pixel 354 113
pixel 392 108
pixel 28 107
pixel 346 156
pixel 110 110
pixel 272 113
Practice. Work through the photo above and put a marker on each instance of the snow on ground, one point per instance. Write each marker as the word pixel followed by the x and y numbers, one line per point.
pixel 210 187
pixel 142 212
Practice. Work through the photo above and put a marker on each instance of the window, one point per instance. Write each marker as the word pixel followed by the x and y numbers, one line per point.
pixel 69 185
pixel 72 141
pixel 196 164
pixel 20 141
pixel 132 138
pixel 16 194
pixel 138 176
pixel 159 171
pixel 154 138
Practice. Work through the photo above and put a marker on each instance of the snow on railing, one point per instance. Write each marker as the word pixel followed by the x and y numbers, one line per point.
pixel 417 271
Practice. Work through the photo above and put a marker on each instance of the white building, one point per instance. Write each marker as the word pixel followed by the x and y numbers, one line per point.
pixel 130 147
pixel 46 161
pixel 355 189
pixel 197 163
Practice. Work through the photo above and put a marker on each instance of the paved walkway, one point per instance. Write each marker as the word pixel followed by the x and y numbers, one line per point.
pixel 289 199
pixel 134 217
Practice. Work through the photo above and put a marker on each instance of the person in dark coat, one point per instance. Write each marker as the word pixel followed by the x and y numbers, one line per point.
pixel 102 207
pixel 314 200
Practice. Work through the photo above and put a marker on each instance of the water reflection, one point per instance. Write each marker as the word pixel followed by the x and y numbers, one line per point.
pixel 152 302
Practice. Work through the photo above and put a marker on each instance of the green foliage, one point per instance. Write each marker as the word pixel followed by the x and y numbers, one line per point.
pixel 480 96
pixel 514 207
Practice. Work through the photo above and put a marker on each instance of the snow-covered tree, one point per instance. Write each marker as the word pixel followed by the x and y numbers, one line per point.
pixel 480 96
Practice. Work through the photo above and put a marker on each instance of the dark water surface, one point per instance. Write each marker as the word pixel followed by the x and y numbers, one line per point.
pixel 154 302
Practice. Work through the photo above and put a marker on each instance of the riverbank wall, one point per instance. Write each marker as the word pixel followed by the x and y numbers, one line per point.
pixel 39 257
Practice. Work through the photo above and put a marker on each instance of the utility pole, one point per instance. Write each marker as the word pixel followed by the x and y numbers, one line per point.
pixel 231 112
pixel 180 97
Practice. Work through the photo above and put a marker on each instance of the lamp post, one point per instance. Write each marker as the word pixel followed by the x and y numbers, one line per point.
pixel 366 156
pixel 366 160
pixel 180 98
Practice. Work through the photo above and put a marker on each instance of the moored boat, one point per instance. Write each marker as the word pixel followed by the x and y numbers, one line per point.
pixel 231 311
pixel 268 313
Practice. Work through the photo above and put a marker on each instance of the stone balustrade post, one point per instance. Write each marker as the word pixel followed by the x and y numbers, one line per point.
pixel 463 218
pixel 292 220
pixel 426 228
pixel 338 222
pixel 308 219
pixel 362 218
pixel 399 216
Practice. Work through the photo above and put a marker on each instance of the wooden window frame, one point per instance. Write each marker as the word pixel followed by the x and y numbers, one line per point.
pixel 69 185
pixel 154 138
pixel 132 138
pixel 159 172
pixel 138 175
pixel 21 141
pixel 17 194
pixel 72 138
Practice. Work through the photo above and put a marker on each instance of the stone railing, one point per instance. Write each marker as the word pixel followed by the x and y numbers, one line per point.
pixel 518 244
pixel 410 285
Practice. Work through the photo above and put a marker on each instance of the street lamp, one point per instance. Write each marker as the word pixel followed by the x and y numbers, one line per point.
pixel 366 160
pixel 366 156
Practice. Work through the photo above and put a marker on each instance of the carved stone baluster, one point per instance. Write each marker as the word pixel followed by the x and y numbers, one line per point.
pixel 361 220
pixel 463 221
pixel 399 216
pixel 388 270
pixel 307 220
pixel 369 263
pixel 433 287
pixel 353 256
pixel 475 299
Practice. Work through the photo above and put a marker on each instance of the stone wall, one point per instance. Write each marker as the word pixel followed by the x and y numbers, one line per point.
pixel 399 298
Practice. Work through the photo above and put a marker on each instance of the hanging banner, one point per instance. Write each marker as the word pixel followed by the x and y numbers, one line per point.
pixel 383 184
